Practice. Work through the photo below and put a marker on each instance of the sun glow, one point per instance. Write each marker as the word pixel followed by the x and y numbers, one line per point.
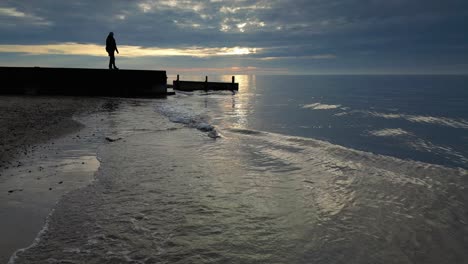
pixel 237 51
pixel 125 50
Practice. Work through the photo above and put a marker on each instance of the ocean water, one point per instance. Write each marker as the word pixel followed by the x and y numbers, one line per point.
pixel 422 118
pixel 289 169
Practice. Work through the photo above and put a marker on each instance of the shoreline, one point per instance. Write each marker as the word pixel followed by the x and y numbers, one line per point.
pixel 26 121
pixel 39 161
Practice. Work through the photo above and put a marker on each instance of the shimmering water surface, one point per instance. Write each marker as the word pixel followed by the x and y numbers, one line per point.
pixel 291 169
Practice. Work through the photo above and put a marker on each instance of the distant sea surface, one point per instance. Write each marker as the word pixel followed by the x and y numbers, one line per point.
pixel 289 169
pixel 422 118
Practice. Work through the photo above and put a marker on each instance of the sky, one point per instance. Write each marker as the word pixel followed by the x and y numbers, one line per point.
pixel 240 36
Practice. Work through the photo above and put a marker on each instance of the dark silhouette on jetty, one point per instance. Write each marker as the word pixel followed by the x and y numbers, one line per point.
pixel 189 86
pixel 111 47
pixel 83 82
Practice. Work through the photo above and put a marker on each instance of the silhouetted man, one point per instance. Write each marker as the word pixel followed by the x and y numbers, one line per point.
pixel 111 46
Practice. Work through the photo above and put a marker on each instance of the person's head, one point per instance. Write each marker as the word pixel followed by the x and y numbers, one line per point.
pixel 111 33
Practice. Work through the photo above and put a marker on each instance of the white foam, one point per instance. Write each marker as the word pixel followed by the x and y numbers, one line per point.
pixel 442 121
pixel 433 120
pixel 333 171
pixel 419 144
pixel 187 116
pixel 341 114
pixel 423 145
pixel 390 132
pixel 319 106
pixel 36 241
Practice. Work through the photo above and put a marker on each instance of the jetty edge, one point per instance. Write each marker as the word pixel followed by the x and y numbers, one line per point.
pixel 189 86
pixel 83 82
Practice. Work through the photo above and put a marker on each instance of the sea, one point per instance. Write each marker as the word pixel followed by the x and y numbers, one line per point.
pixel 289 169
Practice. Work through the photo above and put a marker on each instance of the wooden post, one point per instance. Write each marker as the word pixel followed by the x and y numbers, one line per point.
pixel 177 85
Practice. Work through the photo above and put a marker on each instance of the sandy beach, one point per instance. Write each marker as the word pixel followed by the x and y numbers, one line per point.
pixel 29 120
pixel 36 132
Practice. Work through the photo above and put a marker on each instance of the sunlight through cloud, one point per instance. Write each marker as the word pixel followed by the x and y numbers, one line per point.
pixel 310 57
pixel 11 12
pixel 125 51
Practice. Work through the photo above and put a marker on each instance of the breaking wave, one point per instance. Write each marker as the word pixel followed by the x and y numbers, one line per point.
pixel 188 117
pixel 421 119
pixel 319 106
pixel 389 132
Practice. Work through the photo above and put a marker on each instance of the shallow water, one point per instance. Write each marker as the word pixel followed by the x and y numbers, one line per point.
pixel 33 183
pixel 192 179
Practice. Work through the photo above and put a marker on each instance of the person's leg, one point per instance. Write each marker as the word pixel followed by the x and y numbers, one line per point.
pixel 110 61
pixel 113 63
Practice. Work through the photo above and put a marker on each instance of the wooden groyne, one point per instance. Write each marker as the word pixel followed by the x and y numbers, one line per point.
pixel 189 86
pixel 83 82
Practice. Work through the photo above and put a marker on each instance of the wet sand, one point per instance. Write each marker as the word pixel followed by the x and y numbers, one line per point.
pixel 42 157
pixel 25 121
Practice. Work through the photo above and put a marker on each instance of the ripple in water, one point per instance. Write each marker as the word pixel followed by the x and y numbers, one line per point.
pixel 180 197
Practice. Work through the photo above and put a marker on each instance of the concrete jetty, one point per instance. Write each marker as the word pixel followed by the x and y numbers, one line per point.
pixel 83 82
pixel 189 86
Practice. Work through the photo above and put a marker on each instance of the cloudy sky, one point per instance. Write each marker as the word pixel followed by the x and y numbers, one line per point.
pixel 240 36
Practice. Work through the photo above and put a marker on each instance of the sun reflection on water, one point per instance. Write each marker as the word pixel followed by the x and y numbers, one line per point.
pixel 241 104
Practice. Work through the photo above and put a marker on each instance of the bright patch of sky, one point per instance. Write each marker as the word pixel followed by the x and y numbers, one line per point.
pixel 127 51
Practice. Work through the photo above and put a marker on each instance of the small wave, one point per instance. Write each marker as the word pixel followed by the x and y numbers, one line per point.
pixel 245 131
pixel 341 114
pixel 438 121
pixel 204 127
pixel 214 92
pixel 420 144
pixel 444 151
pixel 334 173
pixel 74 250
pixel 441 121
pixel 192 122
pixel 390 132
pixel 189 118
pixel 319 106
pixel 36 241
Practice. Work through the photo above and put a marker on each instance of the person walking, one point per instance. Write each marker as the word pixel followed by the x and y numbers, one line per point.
pixel 111 46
